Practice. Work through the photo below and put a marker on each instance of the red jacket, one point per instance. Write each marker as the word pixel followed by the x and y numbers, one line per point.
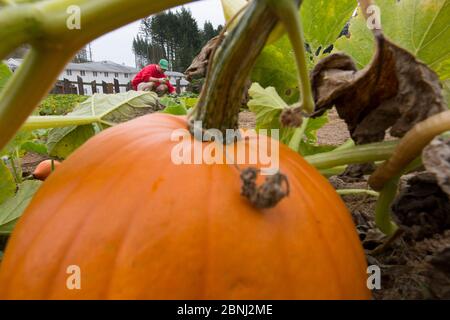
pixel 150 71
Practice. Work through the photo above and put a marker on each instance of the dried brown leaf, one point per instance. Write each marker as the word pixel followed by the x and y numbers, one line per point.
pixel 394 91
pixel 436 159
pixel 422 208
pixel 199 65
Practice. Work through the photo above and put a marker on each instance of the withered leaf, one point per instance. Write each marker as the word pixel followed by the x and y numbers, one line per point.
pixel 436 159
pixel 422 208
pixel 199 66
pixel 394 91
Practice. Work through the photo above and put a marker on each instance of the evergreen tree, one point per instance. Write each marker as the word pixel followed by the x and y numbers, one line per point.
pixel 81 56
pixel 208 32
pixel 174 36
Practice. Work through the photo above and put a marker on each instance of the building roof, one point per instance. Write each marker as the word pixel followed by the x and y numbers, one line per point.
pixel 100 66
pixel 104 66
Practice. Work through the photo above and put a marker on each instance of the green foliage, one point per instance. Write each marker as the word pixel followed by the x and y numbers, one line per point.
pixel 416 25
pixel 276 65
pixel 311 148
pixel 323 21
pixel 59 104
pixel 187 99
pixel 104 110
pixel 24 141
pixel 35 146
pixel 63 141
pixel 446 91
pixel 15 145
pixel 5 74
pixel 268 105
pixel 172 107
pixel 7 184
pixel 315 124
pixel 12 209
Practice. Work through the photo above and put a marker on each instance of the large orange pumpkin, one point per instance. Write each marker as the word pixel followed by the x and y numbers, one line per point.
pixel 140 227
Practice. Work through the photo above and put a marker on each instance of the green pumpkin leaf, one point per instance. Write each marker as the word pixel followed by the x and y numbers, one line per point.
pixel 105 110
pixel 5 74
pixel 189 102
pixel 36 147
pixel 63 141
pixel 172 107
pixel 268 105
pixel 16 143
pixel 178 110
pixel 446 91
pixel 324 20
pixel 315 124
pixel 12 209
pixel 308 149
pixel 276 64
pixel 111 109
pixel 276 67
pixel 7 184
pixel 419 26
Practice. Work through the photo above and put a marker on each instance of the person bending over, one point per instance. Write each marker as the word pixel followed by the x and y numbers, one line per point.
pixel 152 78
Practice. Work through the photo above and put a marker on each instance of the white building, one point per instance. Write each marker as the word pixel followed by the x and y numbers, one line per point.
pixel 105 71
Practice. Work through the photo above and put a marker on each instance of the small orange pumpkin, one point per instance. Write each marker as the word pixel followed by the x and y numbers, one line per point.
pixel 44 169
pixel 140 227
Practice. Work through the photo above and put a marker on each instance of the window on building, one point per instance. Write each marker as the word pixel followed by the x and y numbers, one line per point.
pixel 126 75
pixel 69 72
pixel 116 75
pixel 106 74
pixel 95 73
pixel 83 73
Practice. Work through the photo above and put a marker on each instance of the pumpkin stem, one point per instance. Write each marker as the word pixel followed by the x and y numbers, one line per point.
pixel 220 99
pixel 267 195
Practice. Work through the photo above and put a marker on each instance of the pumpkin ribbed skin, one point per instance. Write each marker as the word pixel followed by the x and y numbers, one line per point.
pixel 140 227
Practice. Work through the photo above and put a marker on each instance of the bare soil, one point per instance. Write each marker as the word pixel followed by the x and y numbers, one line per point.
pixel 30 161
pixel 334 132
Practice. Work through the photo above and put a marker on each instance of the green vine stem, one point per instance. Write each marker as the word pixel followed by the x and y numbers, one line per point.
pixel 346 145
pixel 43 25
pixel 16 27
pixel 296 139
pixel 410 147
pixel 288 14
pixel 26 88
pixel 48 122
pixel 383 207
pixel 351 192
pixel 358 154
pixel 219 103
pixel 332 171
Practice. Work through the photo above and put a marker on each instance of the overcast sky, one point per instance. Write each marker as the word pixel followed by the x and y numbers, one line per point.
pixel 116 45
